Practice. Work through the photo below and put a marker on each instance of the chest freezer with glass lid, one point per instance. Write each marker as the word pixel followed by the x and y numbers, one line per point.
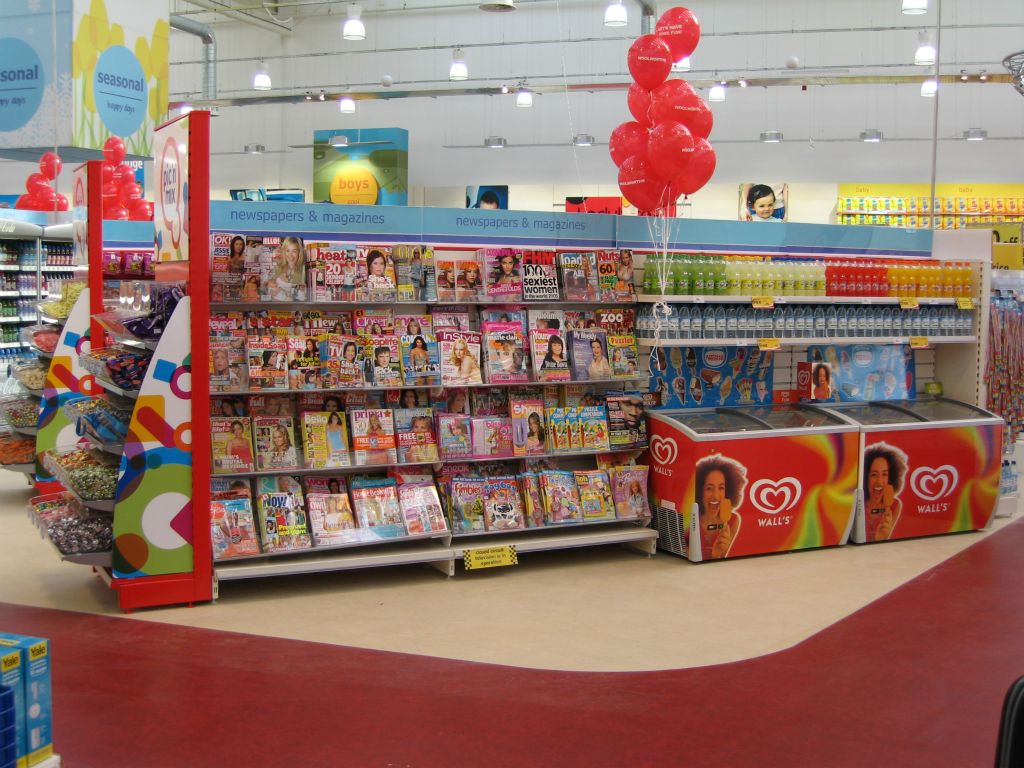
pixel 927 467
pixel 730 482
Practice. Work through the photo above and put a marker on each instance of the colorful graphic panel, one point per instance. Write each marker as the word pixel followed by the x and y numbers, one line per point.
pixel 703 377
pixel 371 169
pixel 859 372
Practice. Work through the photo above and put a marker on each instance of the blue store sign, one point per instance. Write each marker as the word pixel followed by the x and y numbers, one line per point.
pixel 22 80
pixel 120 90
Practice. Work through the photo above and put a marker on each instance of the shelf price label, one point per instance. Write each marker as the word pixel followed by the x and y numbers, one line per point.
pixel 909 302
pixel 768 345
pixel 490 557
pixel 965 302
pixel 918 342
pixel 762 302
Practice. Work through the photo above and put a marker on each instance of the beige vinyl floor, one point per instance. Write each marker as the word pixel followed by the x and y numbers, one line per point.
pixel 600 609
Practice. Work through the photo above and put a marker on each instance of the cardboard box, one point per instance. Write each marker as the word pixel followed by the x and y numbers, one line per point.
pixel 25 666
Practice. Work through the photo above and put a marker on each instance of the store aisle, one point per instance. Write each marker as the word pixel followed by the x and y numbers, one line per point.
pixel 916 678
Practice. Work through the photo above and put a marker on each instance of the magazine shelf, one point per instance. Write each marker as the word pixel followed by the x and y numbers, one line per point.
pixel 800 341
pixel 634 534
pixel 242 306
pixel 370 542
pixel 472 535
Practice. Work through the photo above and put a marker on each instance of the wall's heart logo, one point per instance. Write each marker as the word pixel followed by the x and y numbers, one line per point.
pixel 664 449
pixel 803 379
pixel 774 496
pixel 931 483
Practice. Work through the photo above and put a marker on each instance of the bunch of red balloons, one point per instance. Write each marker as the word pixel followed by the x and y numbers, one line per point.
pixel 664 152
pixel 39 195
pixel 122 197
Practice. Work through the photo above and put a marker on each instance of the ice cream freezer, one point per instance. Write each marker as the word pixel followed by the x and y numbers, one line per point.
pixel 731 482
pixel 927 467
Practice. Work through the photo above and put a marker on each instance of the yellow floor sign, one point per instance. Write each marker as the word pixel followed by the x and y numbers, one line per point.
pixel 490 557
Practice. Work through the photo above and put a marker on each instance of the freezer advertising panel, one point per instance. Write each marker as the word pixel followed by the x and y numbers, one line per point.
pixel 756 495
pixel 858 372
pixel 923 482
pixel 700 377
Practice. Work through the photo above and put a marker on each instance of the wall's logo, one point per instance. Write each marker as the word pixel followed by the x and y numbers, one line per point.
pixel 664 449
pixel 803 379
pixel 931 484
pixel 774 496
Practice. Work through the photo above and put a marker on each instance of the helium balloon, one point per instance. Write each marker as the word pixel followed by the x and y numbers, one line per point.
pixel 114 211
pixel 639 184
pixel 700 121
pixel 699 171
pixel 128 192
pixel 628 140
pixel 50 165
pixel 23 202
pixel 35 181
pixel 107 170
pixel 114 150
pixel 124 174
pixel 680 30
pixel 140 210
pixel 639 101
pixel 45 195
pixel 649 60
pixel 669 149
pixel 62 202
pixel 672 101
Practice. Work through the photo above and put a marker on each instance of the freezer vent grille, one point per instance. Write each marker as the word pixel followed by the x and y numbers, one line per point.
pixel 671 530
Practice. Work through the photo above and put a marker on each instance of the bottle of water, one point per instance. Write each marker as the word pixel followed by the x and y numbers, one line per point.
pixel 721 322
pixel 697 323
pixel 820 323
pixel 732 330
pixel 832 323
pixel 683 322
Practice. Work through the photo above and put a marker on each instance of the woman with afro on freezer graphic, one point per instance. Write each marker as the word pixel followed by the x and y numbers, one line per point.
pixel 719 493
pixel 885 468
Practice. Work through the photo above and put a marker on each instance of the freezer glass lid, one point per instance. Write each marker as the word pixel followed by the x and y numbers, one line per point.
pixel 876 414
pixel 712 422
pixel 941 410
pixel 793 416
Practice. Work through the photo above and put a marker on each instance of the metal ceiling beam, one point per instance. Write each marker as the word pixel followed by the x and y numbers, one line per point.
pixel 224 8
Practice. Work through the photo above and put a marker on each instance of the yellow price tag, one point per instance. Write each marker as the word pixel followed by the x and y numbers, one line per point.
pixel 490 557
pixel 909 302
pixel 762 302
pixel 918 342
pixel 965 302
pixel 766 345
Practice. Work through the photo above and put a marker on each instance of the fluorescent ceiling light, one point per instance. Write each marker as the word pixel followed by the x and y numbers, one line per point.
pixel 742 83
pixel 458 69
pixel 354 28
pixel 683 65
pixel 717 92
pixel 346 105
pixel 340 140
pixel 495 142
pixel 184 109
pixel 498 6
pixel 524 97
pixel 915 7
pixel 929 88
pixel 871 136
pixel 771 137
pixel 975 134
pixel 925 54
pixel 261 78
pixel 615 14
pixel 583 140
pixel 255 149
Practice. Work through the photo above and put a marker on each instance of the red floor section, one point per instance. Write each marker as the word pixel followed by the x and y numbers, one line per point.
pixel 914 679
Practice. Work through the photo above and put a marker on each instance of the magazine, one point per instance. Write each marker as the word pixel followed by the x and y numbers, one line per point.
pixel 503 504
pixel 450 318
pixel 615 275
pixel 229 369
pixel 578 320
pixel 331 519
pixel 505 353
pixel 623 355
pixel 579 278
pixel 326 484
pixel 377 509
pixel 540 276
pixel 233 529
pixel 283 523
pixel 627 427
pixel 341 361
pixel 303 363
pixel 492 437
pixel 252 290
pixel 383 360
pixel 421 364
pixel 325 439
pixel 271 405
pixel 318 324
pixel 454 436
pixel 469 285
pixel 409 277
pixel 373 322
pixel 373 436
pixel 460 357
pixel 559 440
pixel 503 271
pixel 529 435
pixel 629 491
pixel 467 504
pixel 445 269
pixel 231 445
pixel 421 508
pixel 282 264
pixel 375 280
pixel 588 351
pixel 227 266
pixel 275 442
pixel 619 320
pixel 224 488
pixel 333 271
pixel 561 497
pixel 489 401
pixel 550 355
pixel 413 325
pixel 451 400
pixel 547 319
pixel 414 428
pixel 593 422
pixel 595 494
pixel 533 507
pixel 268 363
pixel 504 313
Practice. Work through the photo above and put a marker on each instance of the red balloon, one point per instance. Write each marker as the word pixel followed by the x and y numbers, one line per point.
pixel 107 172
pixel 23 203
pixel 114 211
pixel 114 150
pixel 628 140
pixel 698 172
pixel 639 184
pixel 50 165
pixel 669 149
pixel 35 181
pixel 649 60
pixel 673 101
pixel 680 30
pixel 140 210
pixel 62 202
pixel 701 121
pixel 639 101
pixel 45 196
pixel 128 192
pixel 124 174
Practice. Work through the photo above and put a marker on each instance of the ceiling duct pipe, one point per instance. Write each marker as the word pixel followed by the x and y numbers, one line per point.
pixel 648 12
pixel 205 33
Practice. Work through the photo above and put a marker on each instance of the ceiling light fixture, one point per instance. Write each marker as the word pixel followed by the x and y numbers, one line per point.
pixel 323 96
pixel 929 88
pixel 347 105
pixel 963 75
pixel 871 136
pixel 354 29
pixel 717 92
pixel 583 140
pixel 683 65
pixel 495 142
pixel 458 69
pixel 339 141
pixel 771 137
pixel 261 78
pixel 925 54
pixel 983 76
pixel 498 6
pixel 615 14
pixel 524 97
pixel 255 149
pixel 975 134
pixel 742 83
pixel 184 109
pixel 915 7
